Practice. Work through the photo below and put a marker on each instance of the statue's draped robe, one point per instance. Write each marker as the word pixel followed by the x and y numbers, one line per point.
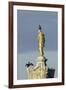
pixel 41 41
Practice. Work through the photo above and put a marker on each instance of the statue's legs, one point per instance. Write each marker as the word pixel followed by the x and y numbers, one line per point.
pixel 41 51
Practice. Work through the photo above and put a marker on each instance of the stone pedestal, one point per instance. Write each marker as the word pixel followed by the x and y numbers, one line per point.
pixel 42 67
pixel 39 71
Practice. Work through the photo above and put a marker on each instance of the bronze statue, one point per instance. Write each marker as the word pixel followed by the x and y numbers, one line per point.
pixel 41 41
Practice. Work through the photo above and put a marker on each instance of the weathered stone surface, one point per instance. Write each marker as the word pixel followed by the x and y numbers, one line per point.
pixel 39 71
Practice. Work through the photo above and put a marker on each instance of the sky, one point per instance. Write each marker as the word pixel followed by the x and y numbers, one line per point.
pixel 27 29
pixel 27 41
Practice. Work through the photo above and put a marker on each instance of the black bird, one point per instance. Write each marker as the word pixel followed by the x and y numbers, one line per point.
pixel 29 64
pixel 40 27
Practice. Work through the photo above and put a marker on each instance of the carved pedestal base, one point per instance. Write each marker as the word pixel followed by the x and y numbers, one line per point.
pixel 39 71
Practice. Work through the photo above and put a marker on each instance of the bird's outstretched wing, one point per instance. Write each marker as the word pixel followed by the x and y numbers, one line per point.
pixel 29 64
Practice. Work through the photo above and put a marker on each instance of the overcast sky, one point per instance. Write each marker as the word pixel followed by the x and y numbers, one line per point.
pixel 27 26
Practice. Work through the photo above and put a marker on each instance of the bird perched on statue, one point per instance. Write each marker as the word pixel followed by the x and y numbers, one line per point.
pixel 29 64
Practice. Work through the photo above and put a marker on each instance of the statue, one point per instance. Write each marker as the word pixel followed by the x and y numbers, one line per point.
pixel 41 41
pixel 40 70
